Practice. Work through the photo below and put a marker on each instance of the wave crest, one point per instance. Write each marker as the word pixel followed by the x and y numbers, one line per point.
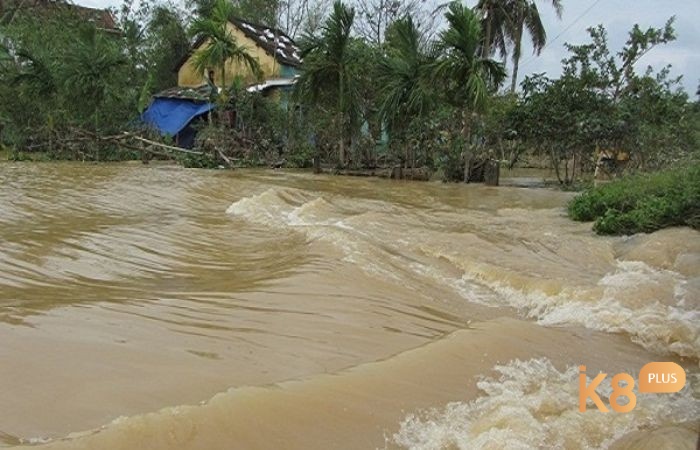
pixel 534 405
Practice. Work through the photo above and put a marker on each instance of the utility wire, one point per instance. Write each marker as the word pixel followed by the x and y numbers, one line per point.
pixel 568 27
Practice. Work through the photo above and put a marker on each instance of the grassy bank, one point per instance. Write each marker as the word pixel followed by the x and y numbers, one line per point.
pixel 642 203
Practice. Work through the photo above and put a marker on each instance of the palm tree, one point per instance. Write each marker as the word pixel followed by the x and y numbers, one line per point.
pixel 88 68
pixel 496 23
pixel 35 77
pixel 221 45
pixel 35 74
pixel 87 71
pixel 404 76
pixel 525 15
pixel 327 75
pixel 467 75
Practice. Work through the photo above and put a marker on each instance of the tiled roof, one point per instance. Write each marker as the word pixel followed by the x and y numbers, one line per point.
pixel 101 18
pixel 275 42
pixel 198 94
pixel 203 93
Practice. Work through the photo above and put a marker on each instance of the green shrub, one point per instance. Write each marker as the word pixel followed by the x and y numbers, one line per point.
pixel 198 161
pixel 301 156
pixel 642 203
pixel 450 161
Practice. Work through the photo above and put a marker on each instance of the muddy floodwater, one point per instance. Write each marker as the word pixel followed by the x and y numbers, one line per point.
pixel 166 308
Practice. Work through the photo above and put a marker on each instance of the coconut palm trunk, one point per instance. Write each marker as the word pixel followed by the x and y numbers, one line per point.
pixel 341 119
pixel 486 51
pixel 517 47
pixel 467 136
pixel 223 76
pixel 526 17
pixel 468 76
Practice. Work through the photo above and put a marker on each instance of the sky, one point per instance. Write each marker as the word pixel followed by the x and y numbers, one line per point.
pixel 618 17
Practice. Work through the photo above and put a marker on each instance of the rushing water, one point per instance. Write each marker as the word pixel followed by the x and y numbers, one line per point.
pixel 163 308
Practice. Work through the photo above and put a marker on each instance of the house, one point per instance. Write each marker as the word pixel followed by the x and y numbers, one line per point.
pixel 278 55
pixel 173 111
pixel 101 18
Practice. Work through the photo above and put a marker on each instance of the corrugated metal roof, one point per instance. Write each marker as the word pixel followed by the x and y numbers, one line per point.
pixel 270 84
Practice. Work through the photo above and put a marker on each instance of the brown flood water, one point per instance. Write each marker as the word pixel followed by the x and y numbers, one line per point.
pixel 164 308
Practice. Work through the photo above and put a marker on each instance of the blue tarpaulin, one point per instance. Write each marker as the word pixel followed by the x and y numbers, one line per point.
pixel 171 115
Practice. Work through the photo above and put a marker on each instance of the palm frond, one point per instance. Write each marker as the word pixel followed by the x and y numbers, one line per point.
pixel 467 77
pixel 220 45
pixel 535 27
pixel 403 74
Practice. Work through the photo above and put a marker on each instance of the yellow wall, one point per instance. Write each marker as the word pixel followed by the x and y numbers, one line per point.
pixel 189 77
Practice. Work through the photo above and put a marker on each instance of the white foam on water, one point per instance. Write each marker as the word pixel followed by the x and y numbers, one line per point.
pixel 534 405
pixel 651 305
pixel 656 325
pixel 286 208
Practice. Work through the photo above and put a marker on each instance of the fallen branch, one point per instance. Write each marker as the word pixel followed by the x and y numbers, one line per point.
pixel 158 144
pixel 225 158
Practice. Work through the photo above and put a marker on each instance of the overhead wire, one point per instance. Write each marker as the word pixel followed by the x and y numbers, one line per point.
pixel 564 31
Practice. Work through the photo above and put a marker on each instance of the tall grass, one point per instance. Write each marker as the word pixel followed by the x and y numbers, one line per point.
pixel 642 203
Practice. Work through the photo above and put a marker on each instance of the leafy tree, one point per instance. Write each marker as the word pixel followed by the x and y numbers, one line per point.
pixel 264 12
pixel 404 74
pixel 167 43
pixel 563 117
pixel 63 75
pixel 600 101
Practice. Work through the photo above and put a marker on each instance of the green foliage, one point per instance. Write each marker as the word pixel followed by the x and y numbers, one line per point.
pixel 404 75
pixel 61 78
pixel 468 78
pixel 408 98
pixel 601 102
pixel 63 75
pixel 450 162
pixel 329 75
pixel 256 11
pixel 203 161
pixel 498 129
pixel 166 44
pixel 19 156
pixel 86 71
pixel 642 203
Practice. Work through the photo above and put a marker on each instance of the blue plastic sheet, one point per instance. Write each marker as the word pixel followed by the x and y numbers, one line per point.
pixel 171 115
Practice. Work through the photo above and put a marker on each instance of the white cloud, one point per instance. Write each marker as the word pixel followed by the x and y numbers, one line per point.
pixel 618 17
